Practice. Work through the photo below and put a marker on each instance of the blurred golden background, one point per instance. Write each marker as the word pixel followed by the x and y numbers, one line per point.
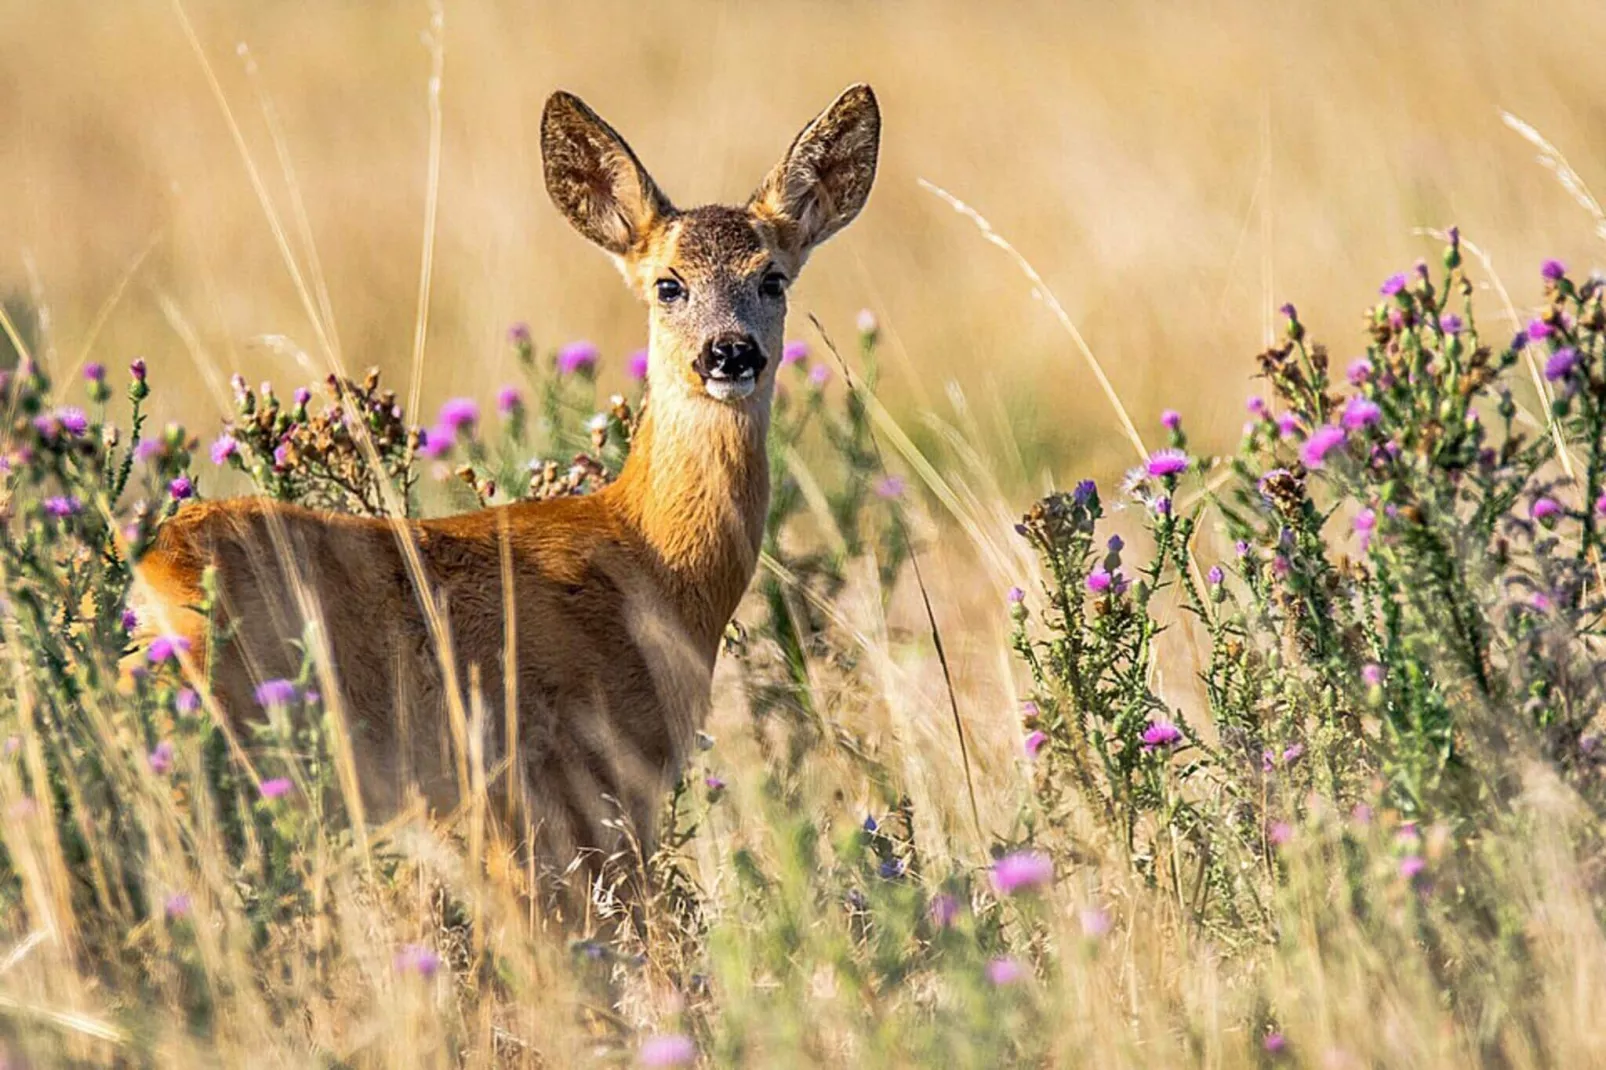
pixel 1174 171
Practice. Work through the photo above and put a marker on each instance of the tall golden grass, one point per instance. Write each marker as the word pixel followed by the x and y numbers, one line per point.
pixel 1173 173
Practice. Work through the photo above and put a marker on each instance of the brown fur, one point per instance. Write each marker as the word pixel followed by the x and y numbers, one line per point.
pixel 619 599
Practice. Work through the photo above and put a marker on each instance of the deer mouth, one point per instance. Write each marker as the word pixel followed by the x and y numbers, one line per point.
pixel 731 388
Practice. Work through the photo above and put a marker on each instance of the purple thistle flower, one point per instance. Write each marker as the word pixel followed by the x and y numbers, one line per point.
pixel 276 788
pixel 1095 922
pixel 1359 371
pixel 1279 833
pixel 1162 506
pixel 130 620
pixel 1552 270
pixel 1022 871
pixel 667 1049
pixel 944 910
pixel 638 364
pixel 1016 596
pixel 1005 971
pixel 578 357
pixel 1361 412
pixel 889 487
pixel 1165 463
pixel 415 958
pixel 161 759
pixel 1034 743
pixel 1321 442
pixel 136 368
pixel 94 372
pixel 1371 674
pixel 72 420
pixel 148 448
pixel 1084 492
pixel 1545 510
pixel 186 701
pixel 1289 311
pixel 1242 547
pixel 1274 1043
pixel 436 442
pixel 1161 734
pixel 1256 406
pixel 1365 522
pixel 1540 602
pixel 63 507
pixel 1600 504
pixel 1215 576
pixel 820 374
pixel 1450 323
pixel 1098 581
pixel 1171 420
pixel 224 447
pixel 176 906
pixel 166 648
pixel 1561 363
pixel 181 488
pixel 1293 752
pixel 276 693
pixel 47 425
pixel 1028 710
pixel 519 334
pixel 1115 544
pixel 1411 866
pixel 1538 331
pixel 459 414
pixel 1392 285
pixel 794 352
pixel 713 783
pixel 1287 425
pixel 508 400
pixel 1281 566
pixel 301 396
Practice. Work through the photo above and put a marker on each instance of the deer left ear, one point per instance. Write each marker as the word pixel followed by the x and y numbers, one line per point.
pixel 824 179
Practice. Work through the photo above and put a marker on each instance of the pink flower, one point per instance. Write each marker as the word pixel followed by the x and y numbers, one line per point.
pixel 181 488
pixel 1287 425
pixel 1022 871
pixel 794 353
pixel 1163 463
pixel 889 487
pixel 1545 510
pixel 416 958
pixel 459 414
pixel 1161 734
pixel 224 447
pixel 1361 412
pixel 1171 420
pixel 638 364
pixel 1016 596
pixel 1256 406
pixel 167 648
pixel 1034 743
pixel 667 1049
pixel 276 788
pixel 1321 442
pixel 1095 922
pixel 1098 581
pixel 578 357
pixel 1411 866
pixel 1359 371
pixel 820 374
pixel 161 759
pixel 1279 833
pixel 944 910
pixel 176 906
pixel 1274 1043
pixel 1004 971
pixel 509 400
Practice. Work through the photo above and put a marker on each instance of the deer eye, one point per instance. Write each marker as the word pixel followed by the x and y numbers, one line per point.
pixel 670 290
pixel 773 284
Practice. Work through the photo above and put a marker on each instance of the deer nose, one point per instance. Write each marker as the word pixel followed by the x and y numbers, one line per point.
pixel 732 356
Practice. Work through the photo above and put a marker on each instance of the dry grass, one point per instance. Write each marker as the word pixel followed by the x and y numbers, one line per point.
pixel 1173 173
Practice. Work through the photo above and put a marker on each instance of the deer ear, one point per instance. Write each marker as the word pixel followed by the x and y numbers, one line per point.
pixel 594 178
pixel 825 177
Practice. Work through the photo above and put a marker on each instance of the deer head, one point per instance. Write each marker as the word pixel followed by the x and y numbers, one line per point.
pixel 714 278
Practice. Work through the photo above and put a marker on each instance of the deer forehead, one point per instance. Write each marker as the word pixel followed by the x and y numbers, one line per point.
pixel 713 243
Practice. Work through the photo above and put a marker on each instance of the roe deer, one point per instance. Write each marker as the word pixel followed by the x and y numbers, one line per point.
pixel 620 598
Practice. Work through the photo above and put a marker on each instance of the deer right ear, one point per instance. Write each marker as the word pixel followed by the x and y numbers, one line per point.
pixel 825 177
pixel 594 178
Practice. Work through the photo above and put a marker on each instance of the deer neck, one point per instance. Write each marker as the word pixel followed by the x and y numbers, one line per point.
pixel 696 491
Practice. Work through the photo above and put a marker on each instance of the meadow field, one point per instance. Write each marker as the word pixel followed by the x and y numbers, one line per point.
pixel 1129 681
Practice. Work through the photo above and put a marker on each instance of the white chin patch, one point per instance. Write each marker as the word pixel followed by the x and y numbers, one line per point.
pixel 731 389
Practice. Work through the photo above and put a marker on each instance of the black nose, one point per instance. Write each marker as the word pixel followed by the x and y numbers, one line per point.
pixel 731 356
